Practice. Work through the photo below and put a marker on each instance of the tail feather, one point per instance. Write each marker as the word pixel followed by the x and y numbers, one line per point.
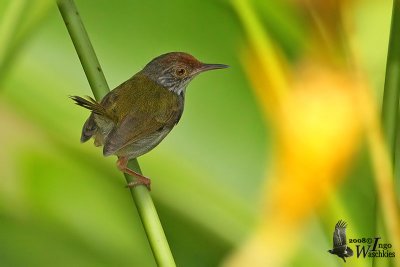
pixel 90 127
pixel 90 104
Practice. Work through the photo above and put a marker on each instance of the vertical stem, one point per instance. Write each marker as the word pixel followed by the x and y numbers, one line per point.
pixel 151 222
pixel 390 104
pixel 97 81
pixel 84 48
pixel 9 26
pixel 390 109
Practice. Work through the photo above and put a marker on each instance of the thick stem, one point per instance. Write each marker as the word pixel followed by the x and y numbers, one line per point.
pixel 97 81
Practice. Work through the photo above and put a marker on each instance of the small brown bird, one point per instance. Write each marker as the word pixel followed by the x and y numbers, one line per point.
pixel 137 115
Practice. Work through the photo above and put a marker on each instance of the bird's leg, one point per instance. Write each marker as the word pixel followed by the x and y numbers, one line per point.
pixel 122 165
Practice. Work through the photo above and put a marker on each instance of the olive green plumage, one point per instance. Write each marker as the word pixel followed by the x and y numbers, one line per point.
pixel 137 115
pixel 136 109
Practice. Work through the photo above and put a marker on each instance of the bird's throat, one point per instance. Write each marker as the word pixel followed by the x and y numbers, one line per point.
pixel 180 91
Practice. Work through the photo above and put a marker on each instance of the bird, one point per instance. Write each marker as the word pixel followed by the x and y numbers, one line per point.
pixel 340 247
pixel 137 115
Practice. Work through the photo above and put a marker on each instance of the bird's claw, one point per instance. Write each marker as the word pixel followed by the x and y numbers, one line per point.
pixel 139 181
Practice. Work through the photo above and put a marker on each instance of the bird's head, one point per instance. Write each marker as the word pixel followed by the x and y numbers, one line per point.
pixel 175 70
pixel 331 251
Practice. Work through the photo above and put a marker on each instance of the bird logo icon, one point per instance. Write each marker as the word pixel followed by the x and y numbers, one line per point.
pixel 340 247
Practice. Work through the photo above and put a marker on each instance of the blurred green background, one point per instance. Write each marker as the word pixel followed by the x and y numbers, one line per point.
pixel 62 203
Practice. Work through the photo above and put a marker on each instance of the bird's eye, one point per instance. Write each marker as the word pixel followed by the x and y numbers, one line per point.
pixel 180 72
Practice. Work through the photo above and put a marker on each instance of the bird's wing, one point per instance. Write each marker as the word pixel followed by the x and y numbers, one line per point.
pixel 339 235
pixel 144 119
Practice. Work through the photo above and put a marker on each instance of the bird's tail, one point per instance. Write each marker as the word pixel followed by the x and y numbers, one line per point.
pixel 90 127
pixel 90 104
pixel 349 252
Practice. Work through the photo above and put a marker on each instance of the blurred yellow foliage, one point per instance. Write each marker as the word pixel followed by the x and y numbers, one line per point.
pixel 319 108
pixel 318 131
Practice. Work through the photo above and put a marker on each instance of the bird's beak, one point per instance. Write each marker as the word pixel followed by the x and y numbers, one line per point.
pixel 206 67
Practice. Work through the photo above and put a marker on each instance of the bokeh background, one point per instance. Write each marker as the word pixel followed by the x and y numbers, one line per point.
pixel 267 157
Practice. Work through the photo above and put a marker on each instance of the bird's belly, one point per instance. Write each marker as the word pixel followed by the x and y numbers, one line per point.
pixel 143 145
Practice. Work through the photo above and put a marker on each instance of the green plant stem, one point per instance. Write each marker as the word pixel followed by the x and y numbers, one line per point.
pixel 390 104
pixel 97 81
pixel 9 26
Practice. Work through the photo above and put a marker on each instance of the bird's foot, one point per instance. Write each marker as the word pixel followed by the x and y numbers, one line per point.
pixel 139 179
